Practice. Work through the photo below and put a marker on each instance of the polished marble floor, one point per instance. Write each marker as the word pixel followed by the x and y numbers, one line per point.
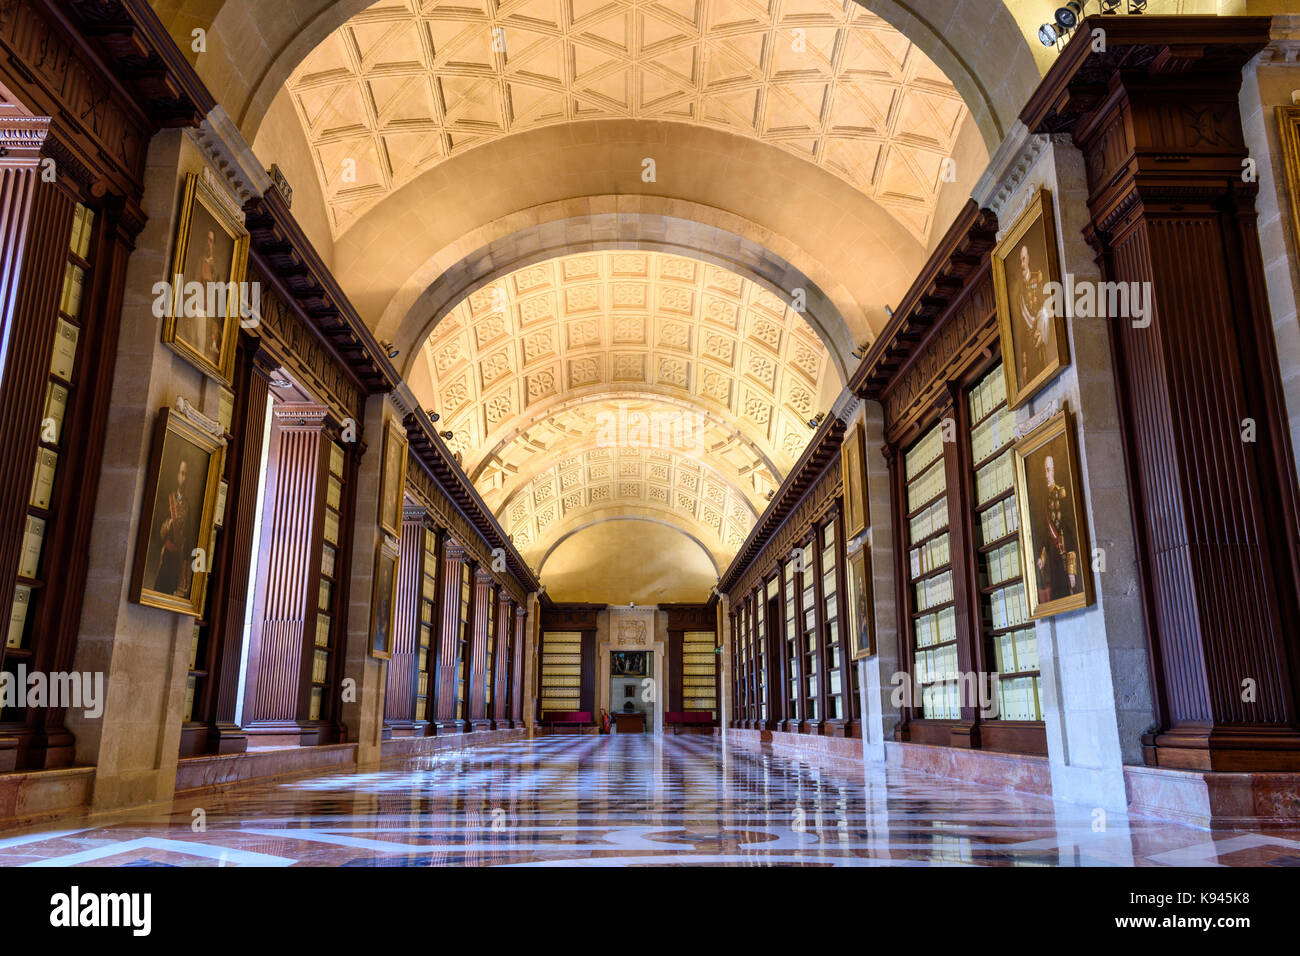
pixel 629 801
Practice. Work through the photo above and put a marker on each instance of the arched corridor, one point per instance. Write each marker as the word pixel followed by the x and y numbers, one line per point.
pixel 648 433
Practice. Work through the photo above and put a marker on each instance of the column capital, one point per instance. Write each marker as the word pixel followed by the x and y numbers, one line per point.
pixel 22 134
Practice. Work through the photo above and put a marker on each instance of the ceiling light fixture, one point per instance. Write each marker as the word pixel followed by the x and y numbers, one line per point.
pixel 1047 34
pixel 433 416
pixel 1067 17
pixel 390 349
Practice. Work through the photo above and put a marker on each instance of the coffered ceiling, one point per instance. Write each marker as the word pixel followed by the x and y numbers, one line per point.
pixel 408 84
pixel 624 383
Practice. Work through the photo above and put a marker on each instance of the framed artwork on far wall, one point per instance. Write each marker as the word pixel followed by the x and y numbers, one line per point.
pixel 383 600
pixel 1054 553
pixel 1034 347
pixel 853 473
pixel 392 478
pixel 862 617
pixel 180 505
pixel 212 250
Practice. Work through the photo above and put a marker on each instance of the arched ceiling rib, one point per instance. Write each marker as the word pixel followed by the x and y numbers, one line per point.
pixel 405 85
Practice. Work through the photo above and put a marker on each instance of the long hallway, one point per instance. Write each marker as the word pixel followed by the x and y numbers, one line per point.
pixel 630 800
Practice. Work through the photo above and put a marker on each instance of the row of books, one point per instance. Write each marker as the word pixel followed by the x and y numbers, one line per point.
pixel 313 710
pixel 702 670
pixel 47 464
pixel 925 486
pixel 698 657
pixel 1019 698
pixel 999 520
pixel 319 666
pixel 561 680
pixel 29 561
pixel 1008 606
pixel 988 394
pixel 323 595
pixel 64 358
pixel 1017 651
pixel 334 493
pixel 932 555
pixel 549 658
pixel 941 702
pixel 933 519
pixel 190 686
pixel 422 684
pixel 56 405
pixel 83 224
pixel 74 284
pixel 423 659
pixel 992 434
pixel 1002 564
pixel 18 616
pixel 194 646
pixel 328 557
pixel 933 591
pixel 936 628
pixel 994 478
pixel 561 703
pixel 322 630
pixel 936 664
pixel 923 453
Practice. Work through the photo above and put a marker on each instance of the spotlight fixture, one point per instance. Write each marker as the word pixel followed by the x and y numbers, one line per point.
pixel 433 416
pixel 448 435
pixel 814 422
pixel 889 311
pixel 771 495
pixel 390 349
pixel 1067 17
pixel 1047 34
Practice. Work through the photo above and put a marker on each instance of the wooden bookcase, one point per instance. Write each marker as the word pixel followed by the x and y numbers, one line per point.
pixel 699 672
pixel 327 605
pixel 425 639
pixel 561 688
pixel 932 624
pixel 1008 636
pixel 837 667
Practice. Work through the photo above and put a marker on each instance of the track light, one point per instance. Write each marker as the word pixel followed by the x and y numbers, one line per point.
pixel 1067 17
pixel 433 416
pixel 390 349
pixel 816 421
pixel 1047 34
pixel 448 435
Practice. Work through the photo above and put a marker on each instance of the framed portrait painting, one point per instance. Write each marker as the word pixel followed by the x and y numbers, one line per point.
pixel 1054 553
pixel 1033 335
pixel 862 617
pixel 392 479
pixel 856 517
pixel 180 506
pixel 211 249
pixel 383 600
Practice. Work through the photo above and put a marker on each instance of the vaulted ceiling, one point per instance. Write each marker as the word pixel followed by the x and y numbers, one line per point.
pixel 624 383
pixel 407 84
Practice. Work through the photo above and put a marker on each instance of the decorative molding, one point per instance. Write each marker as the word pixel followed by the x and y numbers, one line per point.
pixel 1008 168
pixel 1029 424
pixel 197 418
pixel 299 349
pixel 231 156
pixel 1284 43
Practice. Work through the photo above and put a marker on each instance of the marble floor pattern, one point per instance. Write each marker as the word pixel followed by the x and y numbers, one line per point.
pixel 629 801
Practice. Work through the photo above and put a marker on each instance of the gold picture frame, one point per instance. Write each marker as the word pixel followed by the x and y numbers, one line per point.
pixel 1288 134
pixel 392 478
pixel 1055 557
pixel 856 509
pixel 861 606
pixel 383 599
pixel 211 247
pixel 1033 336
pixel 163 575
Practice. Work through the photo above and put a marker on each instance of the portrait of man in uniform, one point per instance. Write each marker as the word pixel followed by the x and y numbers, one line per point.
pixel 1056 559
pixel 1025 265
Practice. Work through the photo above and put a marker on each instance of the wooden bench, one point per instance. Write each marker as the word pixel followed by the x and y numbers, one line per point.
pixel 566 718
pixel 689 719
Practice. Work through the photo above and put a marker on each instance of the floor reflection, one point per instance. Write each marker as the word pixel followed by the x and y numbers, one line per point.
pixel 630 801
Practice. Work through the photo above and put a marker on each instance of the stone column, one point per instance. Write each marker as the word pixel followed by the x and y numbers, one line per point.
pixel 363 710
pixel 399 698
pixel 454 560
pixel 876 674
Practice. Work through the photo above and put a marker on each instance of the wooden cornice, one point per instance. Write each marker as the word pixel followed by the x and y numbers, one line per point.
pixel 143 55
pixel 824 446
pixel 282 245
pixel 433 456
pixel 941 281
pixel 1081 78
